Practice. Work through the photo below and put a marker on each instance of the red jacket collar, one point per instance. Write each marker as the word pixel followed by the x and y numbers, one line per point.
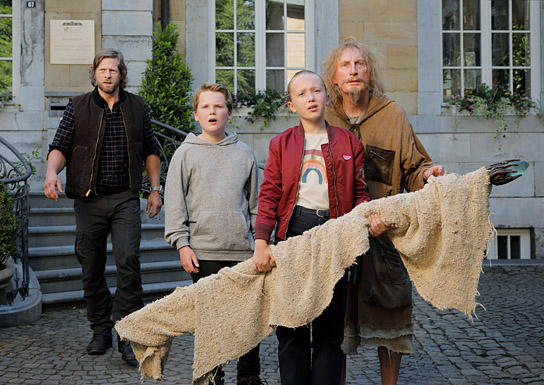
pixel 330 132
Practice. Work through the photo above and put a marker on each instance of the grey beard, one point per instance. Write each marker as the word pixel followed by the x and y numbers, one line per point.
pixel 355 95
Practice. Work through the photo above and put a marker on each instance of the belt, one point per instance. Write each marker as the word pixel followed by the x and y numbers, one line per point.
pixel 316 212
pixel 109 191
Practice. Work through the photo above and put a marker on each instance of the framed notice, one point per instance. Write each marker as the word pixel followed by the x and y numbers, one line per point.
pixel 72 41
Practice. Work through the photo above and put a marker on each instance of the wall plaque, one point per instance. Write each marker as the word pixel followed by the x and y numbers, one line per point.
pixel 72 41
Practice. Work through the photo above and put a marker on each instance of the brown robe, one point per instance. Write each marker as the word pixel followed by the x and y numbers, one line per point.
pixel 395 161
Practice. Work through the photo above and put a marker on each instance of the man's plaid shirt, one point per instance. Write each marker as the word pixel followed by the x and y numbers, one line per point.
pixel 113 163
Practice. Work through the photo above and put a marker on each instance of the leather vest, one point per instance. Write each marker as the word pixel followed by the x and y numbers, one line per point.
pixel 89 127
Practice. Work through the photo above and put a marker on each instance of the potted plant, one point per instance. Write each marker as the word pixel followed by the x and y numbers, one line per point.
pixel 8 239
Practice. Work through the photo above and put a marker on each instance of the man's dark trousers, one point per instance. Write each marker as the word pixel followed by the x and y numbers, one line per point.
pixel 96 217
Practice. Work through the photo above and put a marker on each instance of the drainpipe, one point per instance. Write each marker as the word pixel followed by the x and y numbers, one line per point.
pixel 165 13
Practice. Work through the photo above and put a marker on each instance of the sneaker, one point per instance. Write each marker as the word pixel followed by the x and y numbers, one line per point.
pixel 127 354
pixel 252 380
pixel 99 344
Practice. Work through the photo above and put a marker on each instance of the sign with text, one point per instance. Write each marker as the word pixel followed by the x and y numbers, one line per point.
pixel 72 41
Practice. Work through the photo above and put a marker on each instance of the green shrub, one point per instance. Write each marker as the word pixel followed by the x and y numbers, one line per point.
pixel 10 225
pixel 166 85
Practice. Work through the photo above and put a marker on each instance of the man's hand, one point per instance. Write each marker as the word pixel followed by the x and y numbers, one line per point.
pixel 188 259
pixel 437 170
pixel 55 163
pixel 154 201
pixel 377 227
pixel 263 260
pixel 52 183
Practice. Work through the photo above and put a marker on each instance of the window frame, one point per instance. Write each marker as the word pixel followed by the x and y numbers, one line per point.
pixel 524 239
pixel 486 49
pixel 260 42
pixel 15 47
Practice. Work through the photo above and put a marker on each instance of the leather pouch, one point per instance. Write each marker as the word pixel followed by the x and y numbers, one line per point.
pixel 386 282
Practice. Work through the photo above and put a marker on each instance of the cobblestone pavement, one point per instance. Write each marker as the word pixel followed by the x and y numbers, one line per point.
pixel 505 345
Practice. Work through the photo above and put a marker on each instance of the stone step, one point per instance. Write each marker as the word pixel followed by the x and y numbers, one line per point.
pixel 67 280
pixel 151 291
pixel 38 200
pixel 52 256
pixel 41 236
pixel 58 257
pixel 52 216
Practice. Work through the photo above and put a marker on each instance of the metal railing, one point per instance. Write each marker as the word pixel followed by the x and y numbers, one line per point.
pixel 14 172
pixel 169 139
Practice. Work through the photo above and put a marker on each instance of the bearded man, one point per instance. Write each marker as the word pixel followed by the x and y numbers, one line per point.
pixel 104 138
pixel 395 161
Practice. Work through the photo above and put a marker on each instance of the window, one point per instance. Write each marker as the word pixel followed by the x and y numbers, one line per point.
pixel 259 44
pixel 6 47
pixel 490 41
pixel 511 244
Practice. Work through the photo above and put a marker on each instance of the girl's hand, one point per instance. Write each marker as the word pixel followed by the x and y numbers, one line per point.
pixel 377 227
pixel 263 260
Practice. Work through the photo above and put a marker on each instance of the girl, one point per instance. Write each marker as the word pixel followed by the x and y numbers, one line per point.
pixel 314 172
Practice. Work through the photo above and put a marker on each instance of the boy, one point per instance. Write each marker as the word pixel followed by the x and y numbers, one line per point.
pixel 211 202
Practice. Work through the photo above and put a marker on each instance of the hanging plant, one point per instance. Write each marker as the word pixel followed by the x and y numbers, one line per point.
pixel 263 104
pixel 493 104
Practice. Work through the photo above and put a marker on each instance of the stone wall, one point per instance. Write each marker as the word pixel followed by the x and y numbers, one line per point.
pixel 30 122
pixel 391 28
pixel 177 17
pixel 127 25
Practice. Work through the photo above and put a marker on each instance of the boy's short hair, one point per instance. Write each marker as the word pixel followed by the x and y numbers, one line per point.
pixel 214 87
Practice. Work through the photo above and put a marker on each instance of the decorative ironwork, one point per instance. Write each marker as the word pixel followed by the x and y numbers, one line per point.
pixel 14 172
pixel 169 139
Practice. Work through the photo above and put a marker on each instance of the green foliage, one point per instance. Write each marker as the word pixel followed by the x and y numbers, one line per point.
pixel 264 104
pixel 34 156
pixel 166 85
pixel 244 45
pixel 494 104
pixel 5 96
pixel 10 225
pixel 6 36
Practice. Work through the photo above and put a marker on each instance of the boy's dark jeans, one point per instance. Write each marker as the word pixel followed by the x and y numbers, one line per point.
pixel 249 364
pixel 96 217
pixel 298 364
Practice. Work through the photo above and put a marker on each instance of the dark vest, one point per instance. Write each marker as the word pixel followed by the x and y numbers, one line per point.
pixel 82 166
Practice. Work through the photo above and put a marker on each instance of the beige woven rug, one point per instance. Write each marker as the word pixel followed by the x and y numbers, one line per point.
pixel 442 233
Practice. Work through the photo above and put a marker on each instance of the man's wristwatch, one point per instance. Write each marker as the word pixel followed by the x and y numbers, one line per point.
pixel 157 188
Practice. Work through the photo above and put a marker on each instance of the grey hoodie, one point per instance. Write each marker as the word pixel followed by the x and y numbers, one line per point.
pixel 211 198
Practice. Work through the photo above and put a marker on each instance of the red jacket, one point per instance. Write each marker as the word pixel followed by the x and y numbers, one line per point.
pixel 344 160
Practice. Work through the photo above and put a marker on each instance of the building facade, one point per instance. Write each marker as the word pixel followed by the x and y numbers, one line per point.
pixel 430 51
